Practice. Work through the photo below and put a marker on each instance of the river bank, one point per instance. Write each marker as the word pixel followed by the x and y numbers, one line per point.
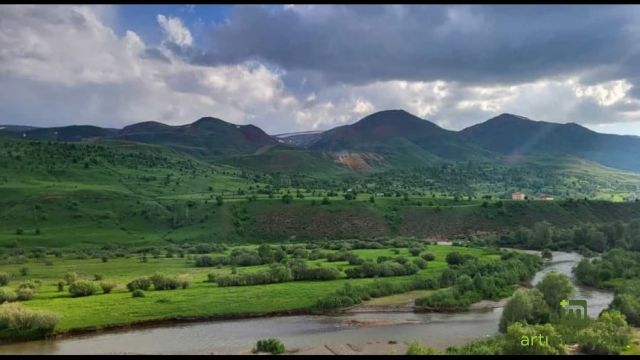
pixel 349 332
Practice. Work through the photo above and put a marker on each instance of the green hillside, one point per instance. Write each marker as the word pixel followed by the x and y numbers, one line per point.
pixel 116 192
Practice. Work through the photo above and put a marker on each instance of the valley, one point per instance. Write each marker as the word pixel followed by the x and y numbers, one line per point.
pixel 155 224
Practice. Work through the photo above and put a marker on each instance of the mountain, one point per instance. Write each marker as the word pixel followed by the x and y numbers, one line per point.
pixel 299 139
pixel 516 135
pixel 65 133
pixel 207 137
pixel 395 138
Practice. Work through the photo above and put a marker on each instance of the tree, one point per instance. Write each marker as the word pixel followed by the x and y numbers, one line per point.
pixel 524 306
pixel 629 305
pixel 555 287
pixel 455 258
pixel 609 335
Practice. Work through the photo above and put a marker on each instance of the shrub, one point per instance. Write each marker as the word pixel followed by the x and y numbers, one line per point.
pixel 608 335
pixel 137 293
pixel 516 332
pixel 420 263
pixel 4 279
pixel 211 277
pixel 415 251
pixel 82 288
pixel 455 258
pixel 142 283
pixel 524 306
pixel 15 317
pixel 97 277
pixel 7 295
pixel 27 285
pixel 164 282
pixel 61 285
pixel 26 294
pixel 415 348
pixel 183 282
pixel 555 287
pixel 629 305
pixel 428 256
pixel 70 277
pixel 273 346
pixel 24 271
pixel 107 286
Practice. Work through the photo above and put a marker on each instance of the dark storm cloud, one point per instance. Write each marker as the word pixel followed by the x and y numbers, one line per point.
pixel 474 44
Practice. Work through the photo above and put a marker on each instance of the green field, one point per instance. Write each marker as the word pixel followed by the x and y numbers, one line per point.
pixel 200 299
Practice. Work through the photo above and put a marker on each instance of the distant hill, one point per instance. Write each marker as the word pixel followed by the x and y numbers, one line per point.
pixel 516 135
pixel 396 138
pixel 207 137
pixel 64 133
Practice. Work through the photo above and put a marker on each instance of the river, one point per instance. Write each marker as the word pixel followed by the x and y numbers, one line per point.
pixel 302 332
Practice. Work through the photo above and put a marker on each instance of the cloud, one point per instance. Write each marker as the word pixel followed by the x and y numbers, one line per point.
pixel 473 44
pixel 61 65
pixel 175 31
pixel 315 67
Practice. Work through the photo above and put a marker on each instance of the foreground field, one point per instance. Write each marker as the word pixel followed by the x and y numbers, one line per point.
pixel 200 299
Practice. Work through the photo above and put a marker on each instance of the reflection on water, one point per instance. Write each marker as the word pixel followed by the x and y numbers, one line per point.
pixel 233 336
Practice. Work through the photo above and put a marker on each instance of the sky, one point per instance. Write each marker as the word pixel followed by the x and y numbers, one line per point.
pixel 290 68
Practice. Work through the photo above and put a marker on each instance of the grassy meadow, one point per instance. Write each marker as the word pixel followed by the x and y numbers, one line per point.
pixel 200 299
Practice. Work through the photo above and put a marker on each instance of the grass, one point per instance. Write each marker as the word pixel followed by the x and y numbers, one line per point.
pixel 201 299
pixel 634 348
pixel 399 299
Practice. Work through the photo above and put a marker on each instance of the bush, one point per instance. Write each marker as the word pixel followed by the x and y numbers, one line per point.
pixel 142 283
pixel 15 317
pixel 26 294
pixel 7 295
pixel 420 263
pixel 164 282
pixel 629 305
pixel 555 287
pixel 4 279
pixel 97 277
pixel 455 258
pixel 428 256
pixel 608 335
pixel 107 286
pixel 24 271
pixel 82 288
pixel 526 306
pixel 211 277
pixel 516 332
pixel 61 285
pixel 415 251
pixel 273 346
pixel 70 277
pixel 415 348
pixel 137 293
pixel 27 285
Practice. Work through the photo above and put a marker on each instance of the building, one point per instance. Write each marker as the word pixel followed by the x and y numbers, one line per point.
pixel 546 197
pixel 517 195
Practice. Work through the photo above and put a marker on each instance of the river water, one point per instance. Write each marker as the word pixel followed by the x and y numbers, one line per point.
pixel 235 336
